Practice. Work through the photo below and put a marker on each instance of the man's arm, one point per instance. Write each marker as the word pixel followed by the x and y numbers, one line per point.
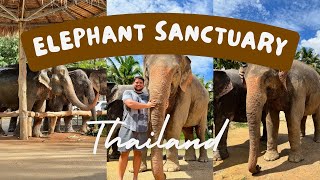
pixel 136 105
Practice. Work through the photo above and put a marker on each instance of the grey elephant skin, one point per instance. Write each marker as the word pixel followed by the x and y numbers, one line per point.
pixel 85 93
pixel 229 102
pixel 41 85
pixel 170 82
pixel 296 92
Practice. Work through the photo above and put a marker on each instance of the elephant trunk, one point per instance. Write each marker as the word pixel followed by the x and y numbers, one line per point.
pixel 256 98
pixel 72 97
pixel 160 91
pixel 91 97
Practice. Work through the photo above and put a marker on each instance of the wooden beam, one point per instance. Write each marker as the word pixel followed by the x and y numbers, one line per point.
pixel 23 9
pixel 9 12
pixel 95 4
pixel 7 16
pixel 45 13
pixel 40 8
pixel 23 114
pixel 102 12
pixel 52 114
pixel 71 15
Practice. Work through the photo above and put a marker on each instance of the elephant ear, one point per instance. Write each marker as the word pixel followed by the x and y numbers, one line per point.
pixel 94 78
pixel 44 77
pixel 145 72
pixel 186 76
pixel 222 84
pixel 283 78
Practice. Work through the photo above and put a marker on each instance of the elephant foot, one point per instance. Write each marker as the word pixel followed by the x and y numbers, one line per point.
pixel 271 155
pixel 114 155
pixel 69 130
pixel 57 130
pixel 317 138
pixel 37 134
pixel 203 159
pixel 220 155
pixel 143 168
pixel 170 166
pixel 11 129
pixel 295 157
pixel 2 133
pixel 190 157
pixel 302 134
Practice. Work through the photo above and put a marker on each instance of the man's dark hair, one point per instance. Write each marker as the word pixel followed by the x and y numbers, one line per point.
pixel 138 77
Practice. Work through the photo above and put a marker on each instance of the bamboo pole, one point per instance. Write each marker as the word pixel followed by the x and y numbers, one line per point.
pixel 51 114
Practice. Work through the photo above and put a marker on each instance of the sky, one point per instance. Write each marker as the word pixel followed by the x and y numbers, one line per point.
pixel 298 15
pixel 199 65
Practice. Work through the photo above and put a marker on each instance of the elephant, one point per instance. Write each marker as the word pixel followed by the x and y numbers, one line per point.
pixel 99 81
pixel 169 81
pixel 41 86
pixel 296 92
pixel 229 102
pixel 85 93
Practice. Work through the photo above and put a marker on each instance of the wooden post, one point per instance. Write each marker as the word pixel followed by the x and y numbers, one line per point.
pixel 23 114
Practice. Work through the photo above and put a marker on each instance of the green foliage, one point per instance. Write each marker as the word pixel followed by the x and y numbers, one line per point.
pixel 9 47
pixel 308 56
pixel 89 64
pixel 127 70
pixel 220 63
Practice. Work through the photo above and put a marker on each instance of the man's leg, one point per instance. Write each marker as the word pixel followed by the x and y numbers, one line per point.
pixel 123 161
pixel 136 163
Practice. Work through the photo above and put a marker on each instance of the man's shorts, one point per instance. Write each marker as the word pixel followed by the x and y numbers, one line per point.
pixel 126 134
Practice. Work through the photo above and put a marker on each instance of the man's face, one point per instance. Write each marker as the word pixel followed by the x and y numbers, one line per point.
pixel 138 85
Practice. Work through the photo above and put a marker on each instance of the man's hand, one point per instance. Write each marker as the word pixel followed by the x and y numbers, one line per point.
pixel 152 103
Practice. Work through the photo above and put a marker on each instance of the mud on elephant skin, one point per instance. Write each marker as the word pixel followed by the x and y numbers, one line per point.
pixel 169 80
pixel 229 102
pixel 296 92
pixel 40 86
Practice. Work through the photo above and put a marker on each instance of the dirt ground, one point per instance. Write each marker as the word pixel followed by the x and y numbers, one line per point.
pixel 189 169
pixel 235 167
pixel 59 156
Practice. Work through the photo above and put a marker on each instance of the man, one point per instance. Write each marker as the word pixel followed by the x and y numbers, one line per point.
pixel 135 115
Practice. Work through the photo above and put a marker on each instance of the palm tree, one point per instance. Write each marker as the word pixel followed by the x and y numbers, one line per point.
pixel 128 68
pixel 308 56
pixel 220 63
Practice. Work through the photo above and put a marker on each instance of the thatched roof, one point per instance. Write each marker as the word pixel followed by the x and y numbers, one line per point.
pixel 43 12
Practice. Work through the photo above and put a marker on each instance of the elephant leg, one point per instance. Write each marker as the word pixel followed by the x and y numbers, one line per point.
pixel 45 124
pixel 30 119
pixel 172 163
pixel 316 122
pixel 58 123
pixel 36 127
pixel 303 126
pixel 293 122
pixel 53 121
pixel 2 133
pixel 264 126
pixel 188 135
pixel 201 133
pixel 222 152
pixel 13 124
pixel 84 127
pixel 39 106
pixel 272 123
pixel 68 124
